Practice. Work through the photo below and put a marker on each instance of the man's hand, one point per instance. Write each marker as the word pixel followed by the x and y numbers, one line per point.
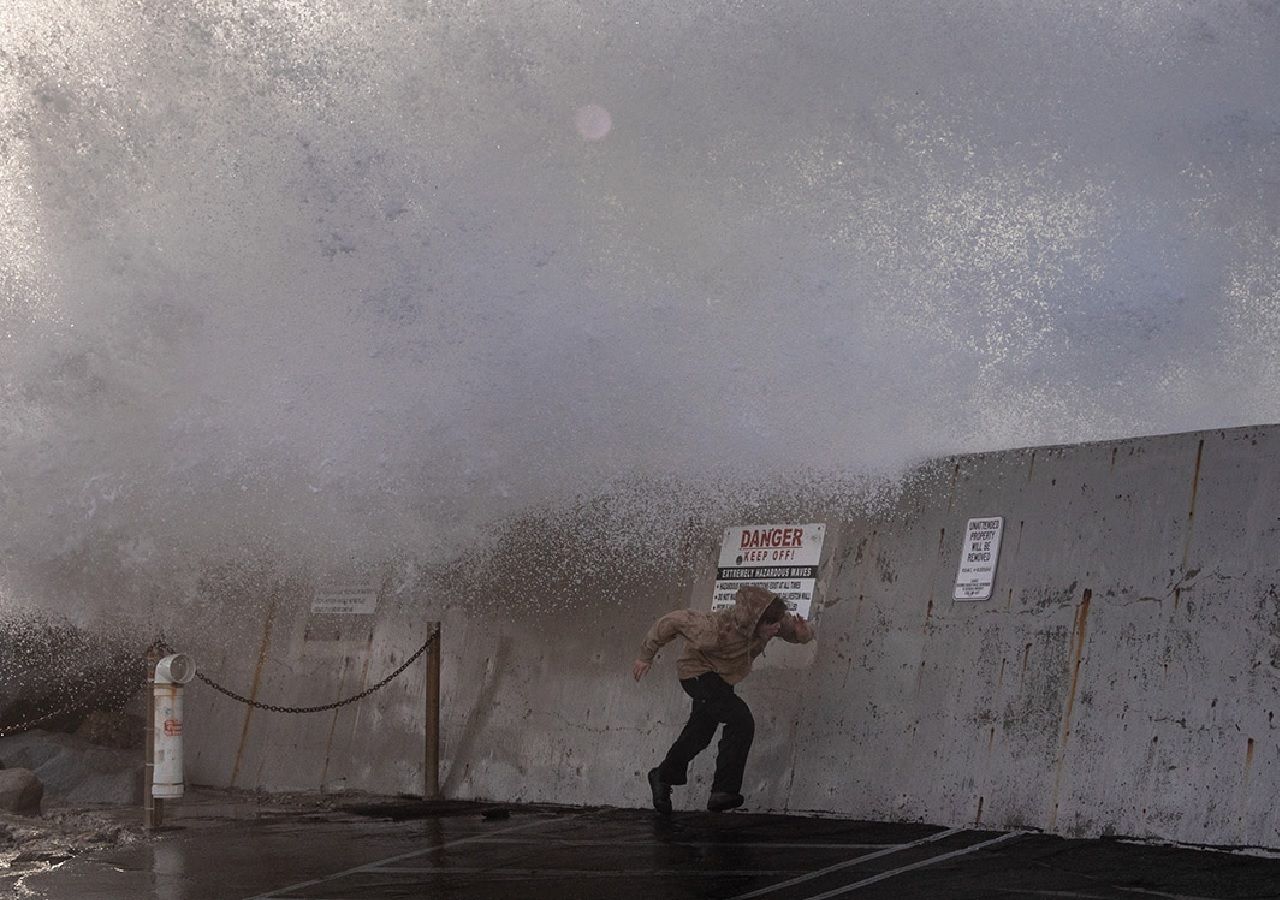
pixel 639 668
pixel 803 631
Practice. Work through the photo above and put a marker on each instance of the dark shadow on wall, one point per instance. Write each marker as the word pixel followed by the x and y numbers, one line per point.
pixel 477 718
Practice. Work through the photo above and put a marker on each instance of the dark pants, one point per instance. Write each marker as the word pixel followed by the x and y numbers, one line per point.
pixel 714 703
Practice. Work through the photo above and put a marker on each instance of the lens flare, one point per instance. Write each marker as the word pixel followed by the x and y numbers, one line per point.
pixel 593 122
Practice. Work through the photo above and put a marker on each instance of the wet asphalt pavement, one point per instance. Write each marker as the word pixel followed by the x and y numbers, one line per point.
pixel 220 847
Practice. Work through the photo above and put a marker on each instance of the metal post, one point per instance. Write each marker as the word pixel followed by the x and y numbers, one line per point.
pixel 431 764
pixel 152 807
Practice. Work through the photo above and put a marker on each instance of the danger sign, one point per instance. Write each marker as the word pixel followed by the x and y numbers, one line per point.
pixel 779 558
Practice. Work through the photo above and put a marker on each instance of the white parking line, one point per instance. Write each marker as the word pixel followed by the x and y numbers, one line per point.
pixel 571 873
pixel 846 864
pixel 1075 895
pixel 648 842
pixel 874 879
pixel 366 867
pixel 386 866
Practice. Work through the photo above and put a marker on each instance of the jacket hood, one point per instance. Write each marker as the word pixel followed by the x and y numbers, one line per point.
pixel 749 604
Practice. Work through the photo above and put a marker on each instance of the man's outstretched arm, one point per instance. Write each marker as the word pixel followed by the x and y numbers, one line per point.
pixel 660 634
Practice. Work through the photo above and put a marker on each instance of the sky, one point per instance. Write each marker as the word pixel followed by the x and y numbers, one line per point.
pixel 344 272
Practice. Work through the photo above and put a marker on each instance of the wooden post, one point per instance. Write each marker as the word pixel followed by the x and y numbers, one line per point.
pixel 431 762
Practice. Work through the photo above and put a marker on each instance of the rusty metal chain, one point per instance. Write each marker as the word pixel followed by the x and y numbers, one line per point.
pixel 257 704
pixel 80 704
pixel 32 723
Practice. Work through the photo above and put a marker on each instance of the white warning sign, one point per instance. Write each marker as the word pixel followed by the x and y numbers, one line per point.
pixel 345 595
pixel 779 558
pixel 978 558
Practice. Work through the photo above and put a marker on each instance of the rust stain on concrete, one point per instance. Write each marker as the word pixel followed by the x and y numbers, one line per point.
pixel 364 683
pixel 919 678
pixel 977 820
pixel 1000 677
pixel 1079 634
pixel 253 688
pixel 333 724
pixel 955 475
pixel 1244 793
pixel 1191 520
pixel 864 555
pixel 1077 654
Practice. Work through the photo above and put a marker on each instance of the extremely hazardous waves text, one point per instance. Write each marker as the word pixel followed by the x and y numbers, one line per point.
pixel 789 591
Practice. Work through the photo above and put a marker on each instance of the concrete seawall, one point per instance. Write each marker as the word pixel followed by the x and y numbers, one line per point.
pixel 1122 679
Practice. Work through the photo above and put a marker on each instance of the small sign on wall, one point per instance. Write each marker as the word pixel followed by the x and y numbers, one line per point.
pixel 779 558
pixel 346 595
pixel 978 558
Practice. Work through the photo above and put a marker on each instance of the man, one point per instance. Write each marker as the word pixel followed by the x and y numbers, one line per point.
pixel 719 649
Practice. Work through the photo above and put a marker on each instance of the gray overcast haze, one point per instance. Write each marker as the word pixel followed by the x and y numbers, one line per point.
pixel 336 270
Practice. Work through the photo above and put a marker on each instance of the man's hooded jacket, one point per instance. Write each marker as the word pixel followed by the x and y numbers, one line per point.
pixel 724 641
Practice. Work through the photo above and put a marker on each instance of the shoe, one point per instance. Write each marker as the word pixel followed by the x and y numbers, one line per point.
pixel 661 793
pixel 721 801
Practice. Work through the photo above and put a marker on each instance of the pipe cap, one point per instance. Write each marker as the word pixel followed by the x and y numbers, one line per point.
pixel 177 668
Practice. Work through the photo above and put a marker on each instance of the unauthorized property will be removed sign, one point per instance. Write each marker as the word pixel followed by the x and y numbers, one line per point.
pixel 779 558
pixel 978 558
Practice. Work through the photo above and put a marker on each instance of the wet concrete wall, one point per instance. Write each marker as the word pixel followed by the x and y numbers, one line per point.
pixel 1123 678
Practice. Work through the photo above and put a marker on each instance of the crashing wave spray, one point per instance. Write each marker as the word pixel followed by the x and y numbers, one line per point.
pixel 318 279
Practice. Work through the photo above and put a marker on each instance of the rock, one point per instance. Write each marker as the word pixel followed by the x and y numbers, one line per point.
pixel 121 730
pixel 20 792
pixel 75 772
pixel 53 857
